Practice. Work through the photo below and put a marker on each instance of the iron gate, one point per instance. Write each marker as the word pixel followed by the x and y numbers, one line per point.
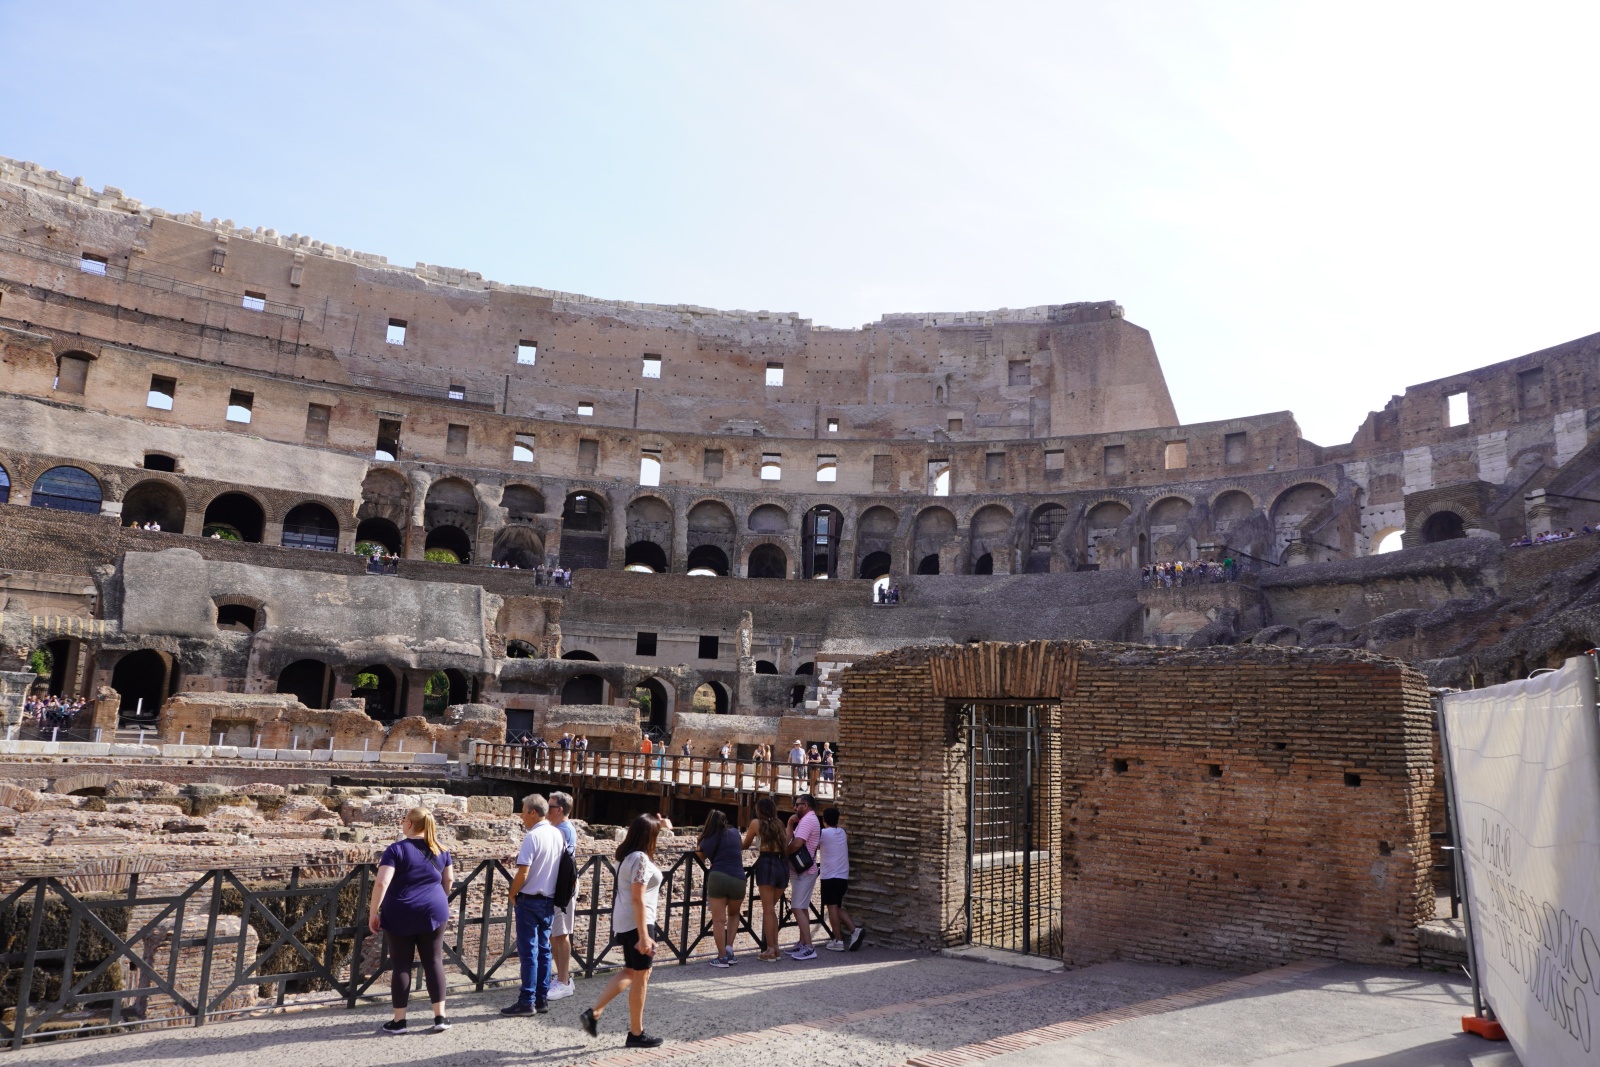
pixel 1013 872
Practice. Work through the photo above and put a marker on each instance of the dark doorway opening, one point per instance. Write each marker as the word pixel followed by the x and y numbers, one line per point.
pixel 875 565
pixel 984 565
pixel 646 554
pixel 452 540
pixel 929 564
pixel 143 679
pixel 307 681
pixel 380 532
pixel 1443 526
pixel 311 526
pixel 708 558
pixel 584 689
pixel 768 561
pixel 235 517
pixel 381 690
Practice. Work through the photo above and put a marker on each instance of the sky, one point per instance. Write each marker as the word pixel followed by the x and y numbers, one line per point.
pixel 1310 206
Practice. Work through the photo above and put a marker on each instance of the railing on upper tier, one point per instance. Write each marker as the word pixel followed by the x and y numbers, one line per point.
pixel 704 776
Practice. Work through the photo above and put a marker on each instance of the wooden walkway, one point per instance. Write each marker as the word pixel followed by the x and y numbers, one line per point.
pixel 737 783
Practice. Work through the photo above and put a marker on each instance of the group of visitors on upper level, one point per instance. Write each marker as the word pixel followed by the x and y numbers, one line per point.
pixel 1193 572
pixel 1547 538
pixel 886 594
pixel 542 575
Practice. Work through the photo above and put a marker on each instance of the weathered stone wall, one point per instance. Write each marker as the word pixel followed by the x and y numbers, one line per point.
pixel 1224 806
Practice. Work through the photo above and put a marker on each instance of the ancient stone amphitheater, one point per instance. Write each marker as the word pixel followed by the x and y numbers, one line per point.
pixel 271 403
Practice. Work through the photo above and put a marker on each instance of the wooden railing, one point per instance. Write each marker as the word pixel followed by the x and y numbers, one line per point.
pixel 705 775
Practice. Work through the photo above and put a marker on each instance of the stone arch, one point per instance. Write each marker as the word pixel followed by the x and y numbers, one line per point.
pixel 649 520
pixel 659 713
pixel 767 560
pixel 1294 507
pixel 451 539
pixel 712 698
pixel 584 689
pixel 523 503
pixel 68 488
pixel 875 531
pixel 240 613
pixel 708 560
pixel 155 500
pixel 1231 507
pixel 310 681
pixel 645 556
pixel 1167 522
pixel 380 531
pixel 820 532
pixel 992 530
pixel 386 495
pixel 1386 540
pixel 1102 524
pixel 451 502
pixel 237 512
pixel 518 546
pixel 768 519
pixel 585 524
pixel 934 528
pixel 144 678
pixel 382 693
pixel 1044 529
pixel 1444 524
pixel 874 565
pixel 310 525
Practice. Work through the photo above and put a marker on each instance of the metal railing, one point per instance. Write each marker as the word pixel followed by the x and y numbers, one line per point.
pixel 75 962
pixel 708 774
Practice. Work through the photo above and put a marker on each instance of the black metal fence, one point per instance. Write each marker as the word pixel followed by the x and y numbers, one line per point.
pixel 114 953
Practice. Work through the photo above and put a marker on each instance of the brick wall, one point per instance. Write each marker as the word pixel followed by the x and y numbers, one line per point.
pixel 1225 806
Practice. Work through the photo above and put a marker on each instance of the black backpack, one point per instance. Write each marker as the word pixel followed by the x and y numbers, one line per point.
pixel 566 879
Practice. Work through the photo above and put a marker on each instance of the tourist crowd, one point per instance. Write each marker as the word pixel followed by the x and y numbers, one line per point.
pixel 573 752
pixel 410 902
pixel 542 575
pixel 1194 572
pixel 886 594
pixel 1547 538
pixel 50 713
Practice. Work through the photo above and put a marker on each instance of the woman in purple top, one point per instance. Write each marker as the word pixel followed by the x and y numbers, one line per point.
pixel 411 904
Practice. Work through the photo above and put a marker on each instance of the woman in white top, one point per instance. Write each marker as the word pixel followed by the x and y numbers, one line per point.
pixel 633 927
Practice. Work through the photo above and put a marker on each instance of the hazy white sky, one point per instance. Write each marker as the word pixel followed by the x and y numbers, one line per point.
pixel 1310 206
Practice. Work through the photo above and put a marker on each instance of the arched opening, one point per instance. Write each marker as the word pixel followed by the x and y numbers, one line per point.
pixel 5 486
pixel 235 517
pixel 819 539
pixel 935 527
pixel 143 679
pixel 991 532
pixel 875 565
pixel 154 501
pixel 806 668
pixel 1167 520
pixel 521 650
pixel 797 695
pixel 929 564
pixel 386 495
pixel 708 560
pixel 984 564
pixel 460 687
pixel 308 681
pixel 1043 529
pixel 880 590
pixel 768 561
pixel 768 519
pixel 522 503
pixel 519 547
pixel 584 543
pixel 1388 541
pixel 1102 547
pixel 447 544
pixel 584 689
pixel 379 687
pixel 766 666
pixel 67 489
pixel 379 532
pixel 654 705
pixel 443 689
pixel 1296 511
pixel 645 556
pixel 1443 526
pixel 238 618
pixel 711 698
pixel 579 653
pixel 311 526
pixel 1230 509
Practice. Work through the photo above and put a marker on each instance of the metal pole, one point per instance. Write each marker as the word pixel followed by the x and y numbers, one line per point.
pixel 972 801
pixel 1453 800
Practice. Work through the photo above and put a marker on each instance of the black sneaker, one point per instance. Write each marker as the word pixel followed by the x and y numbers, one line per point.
pixel 518 1008
pixel 542 1009
pixel 394 1028
pixel 642 1040
pixel 590 1024
pixel 440 1025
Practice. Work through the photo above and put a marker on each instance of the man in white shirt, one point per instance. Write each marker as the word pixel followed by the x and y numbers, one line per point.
pixel 533 902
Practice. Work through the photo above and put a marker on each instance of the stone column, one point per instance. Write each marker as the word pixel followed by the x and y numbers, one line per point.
pixel 14 686
pixel 680 541
pixel 1545 514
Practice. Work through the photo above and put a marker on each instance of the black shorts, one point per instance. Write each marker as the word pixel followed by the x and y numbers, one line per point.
pixel 632 958
pixel 772 869
pixel 833 891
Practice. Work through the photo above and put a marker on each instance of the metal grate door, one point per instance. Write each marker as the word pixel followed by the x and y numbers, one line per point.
pixel 1013 876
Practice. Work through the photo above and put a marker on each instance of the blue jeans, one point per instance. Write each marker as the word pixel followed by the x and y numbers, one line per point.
pixel 534 916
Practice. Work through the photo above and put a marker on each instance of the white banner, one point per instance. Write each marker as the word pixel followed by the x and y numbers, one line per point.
pixel 1525 757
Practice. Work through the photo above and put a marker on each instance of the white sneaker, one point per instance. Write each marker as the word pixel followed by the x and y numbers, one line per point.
pixel 561 990
pixel 805 952
pixel 836 946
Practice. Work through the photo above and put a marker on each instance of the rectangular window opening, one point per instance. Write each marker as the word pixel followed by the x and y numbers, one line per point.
pixel 162 390
pixel 1456 409
pixel 652 366
pixel 644 645
pixel 708 646
pixel 1018 372
pixel 938 477
pixel 994 466
pixel 93 264
pixel 774 374
pixel 397 332
pixel 527 353
pixel 240 404
pixel 1234 448
pixel 1115 461
pixel 585 408
pixel 388 440
pixel 456 392
pixel 317 418
pixel 771 466
pixel 254 301
pixel 1055 464
pixel 455 440
pixel 833 425
pixel 72 374
pixel 522 448
pixel 713 464
pixel 953 425
pixel 588 456
pixel 827 468
pixel 650 466
pixel 1530 387
pixel 1177 455
pixel 882 472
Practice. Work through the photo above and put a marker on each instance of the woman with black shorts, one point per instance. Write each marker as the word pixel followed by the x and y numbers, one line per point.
pixel 772 871
pixel 633 927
